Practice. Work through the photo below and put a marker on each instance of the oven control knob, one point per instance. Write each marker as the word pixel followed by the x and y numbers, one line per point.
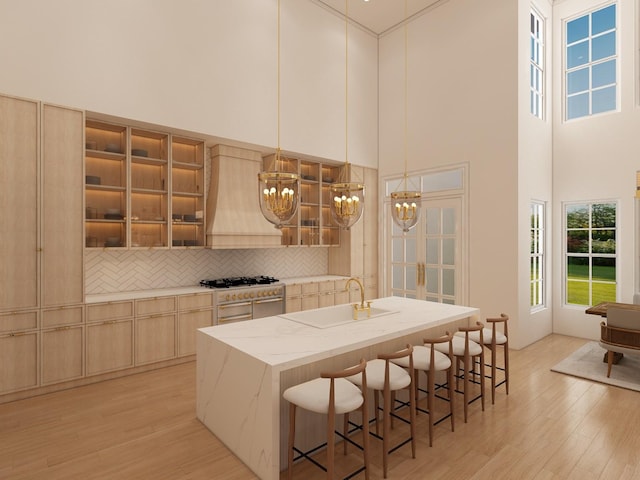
pixel 228 297
pixel 246 295
pixel 260 294
pixel 233 297
pixel 251 295
pixel 272 292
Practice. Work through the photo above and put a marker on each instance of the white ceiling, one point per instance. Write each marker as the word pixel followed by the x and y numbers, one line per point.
pixel 379 16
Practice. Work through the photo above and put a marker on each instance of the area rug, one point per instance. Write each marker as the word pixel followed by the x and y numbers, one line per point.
pixel 586 362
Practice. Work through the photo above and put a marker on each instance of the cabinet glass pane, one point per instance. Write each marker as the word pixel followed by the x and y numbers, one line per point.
pixel 398 277
pixel 411 250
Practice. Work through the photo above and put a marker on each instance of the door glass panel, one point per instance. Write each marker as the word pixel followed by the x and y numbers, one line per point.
pixel 411 277
pixel 397 250
pixel 411 250
pixel 432 251
pixel 432 280
pixel 433 220
pixel 431 299
pixel 448 301
pixel 448 221
pixel 449 251
pixel 398 275
pixel 448 282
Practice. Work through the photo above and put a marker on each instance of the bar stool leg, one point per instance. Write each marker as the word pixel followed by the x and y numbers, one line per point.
pixel 292 433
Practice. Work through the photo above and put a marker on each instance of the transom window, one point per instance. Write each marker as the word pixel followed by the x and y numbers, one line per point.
pixel 591 63
pixel 536 67
pixel 591 253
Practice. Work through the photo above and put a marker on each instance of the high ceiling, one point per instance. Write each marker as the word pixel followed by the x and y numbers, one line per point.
pixel 379 15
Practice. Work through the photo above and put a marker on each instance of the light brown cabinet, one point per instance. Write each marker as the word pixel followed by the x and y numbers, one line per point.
pixel 194 311
pixel 19 198
pixel 312 225
pixel 357 254
pixel 62 193
pixel 19 347
pixel 144 189
pixel 155 329
pixel 62 354
pixel 109 337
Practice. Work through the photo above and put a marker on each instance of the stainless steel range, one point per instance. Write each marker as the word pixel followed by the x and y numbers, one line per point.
pixel 245 298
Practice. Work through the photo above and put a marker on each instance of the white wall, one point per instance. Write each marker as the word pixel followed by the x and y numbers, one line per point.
pixel 596 159
pixel 535 171
pixel 463 107
pixel 206 66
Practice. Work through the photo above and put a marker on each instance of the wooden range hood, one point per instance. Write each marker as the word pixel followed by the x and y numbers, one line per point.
pixel 234 219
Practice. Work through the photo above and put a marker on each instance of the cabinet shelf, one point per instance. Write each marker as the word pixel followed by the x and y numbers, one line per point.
pixel 147 160
pixel 147 191
pixel 102 155
pixel 105 188
pixel 187 194
pixel 186 166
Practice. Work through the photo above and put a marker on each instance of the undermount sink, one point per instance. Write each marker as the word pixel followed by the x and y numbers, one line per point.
pixel 333 316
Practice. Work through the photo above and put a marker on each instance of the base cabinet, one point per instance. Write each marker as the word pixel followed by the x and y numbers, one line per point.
pixel 155 338
pixel 18 361
pixel 109 346
pixel 62 354
pixel 188 323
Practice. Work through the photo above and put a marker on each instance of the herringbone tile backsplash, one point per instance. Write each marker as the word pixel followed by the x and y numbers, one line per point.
pixel 126 270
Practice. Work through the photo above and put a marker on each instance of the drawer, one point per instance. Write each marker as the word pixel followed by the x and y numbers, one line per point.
pixel 309 288
pixel 152 306
pixel 109 311
pixel 293 290
pixel 326 286
pixel 191 302
pixel 340 285
pixel 62 316
pixel 18 321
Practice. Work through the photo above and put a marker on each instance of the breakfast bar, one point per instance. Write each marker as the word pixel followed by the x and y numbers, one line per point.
pixel 243 368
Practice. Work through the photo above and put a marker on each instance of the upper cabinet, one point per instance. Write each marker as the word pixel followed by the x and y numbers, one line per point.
pixel 41 204
pixel 312 225
pixel 143 189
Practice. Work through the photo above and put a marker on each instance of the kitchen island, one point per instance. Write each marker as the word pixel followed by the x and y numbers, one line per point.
pixel 243 368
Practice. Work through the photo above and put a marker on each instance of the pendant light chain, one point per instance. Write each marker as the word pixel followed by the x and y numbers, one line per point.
pixel 405 206
pixel 346 81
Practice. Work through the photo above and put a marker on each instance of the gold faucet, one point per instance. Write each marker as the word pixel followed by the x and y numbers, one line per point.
pixel 358 308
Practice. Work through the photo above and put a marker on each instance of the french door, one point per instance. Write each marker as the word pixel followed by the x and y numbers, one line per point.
pixel 427 262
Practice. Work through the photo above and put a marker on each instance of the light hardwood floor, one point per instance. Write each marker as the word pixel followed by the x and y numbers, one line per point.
pixel 551 426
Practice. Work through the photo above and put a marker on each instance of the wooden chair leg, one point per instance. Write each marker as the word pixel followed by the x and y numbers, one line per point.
pixel 376 407
pixel 331 444
pixel 493 375
pixel 345 431
pixel 482 389
pixel 609 362
pixel 292 434
pixel 506 366
pixel 451 396
pixel 465 383
pixel 430 398
pixel 365 436
pixel 386 431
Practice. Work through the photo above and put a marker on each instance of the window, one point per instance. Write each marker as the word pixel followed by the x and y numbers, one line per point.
pixel 590 75
pixel 537 256
pixel 591 253
pixel 536 68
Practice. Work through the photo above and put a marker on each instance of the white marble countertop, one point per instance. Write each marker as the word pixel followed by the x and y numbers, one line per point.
pixel 315 278
pixel 282 343
pixel 135 294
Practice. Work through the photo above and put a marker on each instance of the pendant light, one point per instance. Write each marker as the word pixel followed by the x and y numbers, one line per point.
pixel 278 190
pixel 348 196
pixel 405 204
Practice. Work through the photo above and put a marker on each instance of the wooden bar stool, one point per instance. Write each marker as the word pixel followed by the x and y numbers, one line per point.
pixel 465 352
pixel 331 395
pixel 492 338
pixel 384 376
pixel 430 361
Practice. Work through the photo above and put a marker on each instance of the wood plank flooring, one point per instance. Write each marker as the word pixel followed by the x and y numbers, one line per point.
pixel 550 426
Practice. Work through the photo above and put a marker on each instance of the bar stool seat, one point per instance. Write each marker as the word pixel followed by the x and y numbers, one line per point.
pixel 332 395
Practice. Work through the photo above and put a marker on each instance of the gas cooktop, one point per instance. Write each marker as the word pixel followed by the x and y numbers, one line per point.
pixel 238 281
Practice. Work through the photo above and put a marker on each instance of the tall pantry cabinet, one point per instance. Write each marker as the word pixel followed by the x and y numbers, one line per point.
pixel 41 263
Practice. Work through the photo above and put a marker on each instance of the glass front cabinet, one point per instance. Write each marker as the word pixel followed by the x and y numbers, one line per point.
pixel 143 189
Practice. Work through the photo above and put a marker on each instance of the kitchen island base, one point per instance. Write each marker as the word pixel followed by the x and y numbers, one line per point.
pixel 242 370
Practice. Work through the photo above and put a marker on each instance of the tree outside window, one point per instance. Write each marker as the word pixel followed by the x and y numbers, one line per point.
pixel 591 253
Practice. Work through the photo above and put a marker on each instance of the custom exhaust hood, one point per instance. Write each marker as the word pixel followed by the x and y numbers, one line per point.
pixel 234 219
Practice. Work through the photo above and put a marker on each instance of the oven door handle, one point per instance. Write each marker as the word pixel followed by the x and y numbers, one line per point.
pixel 270 300
pixel 230 305
pixel 235 318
